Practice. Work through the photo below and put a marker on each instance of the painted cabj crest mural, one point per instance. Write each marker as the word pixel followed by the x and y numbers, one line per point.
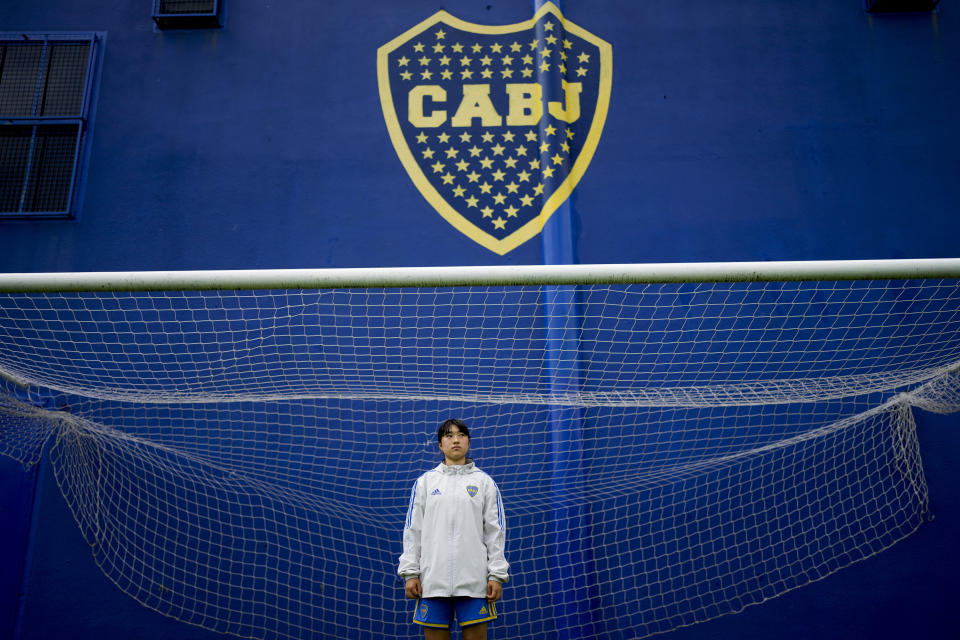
pixel 495 125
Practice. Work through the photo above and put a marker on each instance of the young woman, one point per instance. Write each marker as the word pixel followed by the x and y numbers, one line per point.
pixel 453 542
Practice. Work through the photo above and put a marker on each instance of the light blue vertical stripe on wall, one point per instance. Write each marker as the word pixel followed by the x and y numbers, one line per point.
pixel 570 564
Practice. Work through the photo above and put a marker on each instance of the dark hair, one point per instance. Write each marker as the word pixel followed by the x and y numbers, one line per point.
pixel 452 422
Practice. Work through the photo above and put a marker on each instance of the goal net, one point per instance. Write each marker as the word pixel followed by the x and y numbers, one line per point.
pixel 667 452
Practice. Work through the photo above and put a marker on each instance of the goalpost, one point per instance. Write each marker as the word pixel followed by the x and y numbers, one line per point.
pixel 672 442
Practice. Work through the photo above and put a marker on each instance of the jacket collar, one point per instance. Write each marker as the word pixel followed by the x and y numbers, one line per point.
pixel 452 469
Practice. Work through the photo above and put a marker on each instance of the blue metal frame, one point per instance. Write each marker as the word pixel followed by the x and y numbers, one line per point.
pixel 83 120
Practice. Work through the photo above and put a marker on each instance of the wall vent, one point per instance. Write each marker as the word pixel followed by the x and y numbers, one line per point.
pixel 187 14
pixel 900 6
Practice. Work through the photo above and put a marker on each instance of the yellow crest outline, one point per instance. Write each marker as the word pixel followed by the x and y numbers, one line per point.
pixel 563 190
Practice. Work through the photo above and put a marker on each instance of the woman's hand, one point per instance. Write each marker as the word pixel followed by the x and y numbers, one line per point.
pixel 413 589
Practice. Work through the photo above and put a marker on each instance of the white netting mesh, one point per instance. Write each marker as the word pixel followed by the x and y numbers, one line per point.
pixel 666 453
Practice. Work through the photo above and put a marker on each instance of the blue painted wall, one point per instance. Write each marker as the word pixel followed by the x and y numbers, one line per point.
pixel 737 131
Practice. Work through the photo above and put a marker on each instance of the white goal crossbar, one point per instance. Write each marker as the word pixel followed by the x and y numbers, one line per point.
pixel 499 275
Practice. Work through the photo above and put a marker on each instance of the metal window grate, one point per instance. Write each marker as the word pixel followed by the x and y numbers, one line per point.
pixel 36 167
pixel 43 102
pixel 187 6
pixel 186 14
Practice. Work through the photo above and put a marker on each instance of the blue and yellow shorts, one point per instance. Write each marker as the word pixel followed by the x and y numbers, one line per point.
pixel 438 612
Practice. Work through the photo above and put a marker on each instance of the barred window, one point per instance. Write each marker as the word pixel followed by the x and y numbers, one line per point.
pixel 45 85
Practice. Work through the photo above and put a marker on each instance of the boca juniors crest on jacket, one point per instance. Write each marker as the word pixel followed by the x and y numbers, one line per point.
pixel 495 125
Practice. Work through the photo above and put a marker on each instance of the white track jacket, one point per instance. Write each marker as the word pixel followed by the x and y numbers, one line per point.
pixel 454 535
